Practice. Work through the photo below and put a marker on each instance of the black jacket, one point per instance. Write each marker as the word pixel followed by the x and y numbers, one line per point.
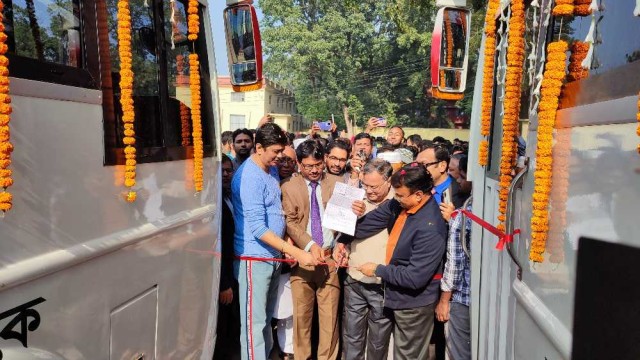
pixel 226 263
pixel 417 257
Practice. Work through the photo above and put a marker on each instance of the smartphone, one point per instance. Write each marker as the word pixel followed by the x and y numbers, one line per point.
pixel 324 125
pixel 382 122
pixel 446 196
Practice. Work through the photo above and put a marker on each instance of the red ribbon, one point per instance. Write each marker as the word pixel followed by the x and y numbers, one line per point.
pixel 503 237
pixel 253 258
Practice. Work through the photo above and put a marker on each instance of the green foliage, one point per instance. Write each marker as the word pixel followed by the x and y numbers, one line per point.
pixel 357 58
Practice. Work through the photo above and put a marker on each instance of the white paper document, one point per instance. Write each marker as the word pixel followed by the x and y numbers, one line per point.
pixel 338 215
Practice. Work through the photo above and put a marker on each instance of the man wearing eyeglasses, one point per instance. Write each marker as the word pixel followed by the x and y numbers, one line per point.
pixel 435 158
pixel 304 199
pixel 287 163
pixel 337 154
pixel 365 325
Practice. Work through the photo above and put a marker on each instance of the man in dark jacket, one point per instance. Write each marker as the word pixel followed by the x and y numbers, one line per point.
pixel 228 341
pixel 413 268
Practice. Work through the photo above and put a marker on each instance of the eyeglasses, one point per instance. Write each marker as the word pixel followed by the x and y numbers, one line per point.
pixel 286 160
pixel 341 161
pixel 371 187
pixel 309 167
pixel 426 165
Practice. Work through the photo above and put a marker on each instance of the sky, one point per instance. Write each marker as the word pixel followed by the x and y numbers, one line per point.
pixel 215 12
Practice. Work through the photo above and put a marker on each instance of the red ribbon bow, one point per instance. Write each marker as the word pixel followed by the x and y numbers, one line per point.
pixel 503 237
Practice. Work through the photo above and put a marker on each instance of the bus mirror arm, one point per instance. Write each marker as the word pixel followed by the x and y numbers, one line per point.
pixel 509 222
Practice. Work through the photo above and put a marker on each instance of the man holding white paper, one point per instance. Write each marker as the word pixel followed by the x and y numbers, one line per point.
pixel 304 200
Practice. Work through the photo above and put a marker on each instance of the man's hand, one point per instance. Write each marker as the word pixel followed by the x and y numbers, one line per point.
pixel 356 166
pixel 316 252
pixel 289 257
pixel 340 254
pixel 226 296
pixel 446 210
pixel 368 269
pixel 358 207
pixel 265 119
pixel 442 311
pixel 372 123
pixel 334 127
pixel 306 259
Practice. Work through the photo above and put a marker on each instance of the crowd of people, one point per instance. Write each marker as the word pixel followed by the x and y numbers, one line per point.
pixel 383 293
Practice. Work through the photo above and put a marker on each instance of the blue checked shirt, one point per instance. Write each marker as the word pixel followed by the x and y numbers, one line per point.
pixel 457 270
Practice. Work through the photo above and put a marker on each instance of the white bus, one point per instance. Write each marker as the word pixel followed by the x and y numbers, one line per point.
pixel 85 274
pixel 580 302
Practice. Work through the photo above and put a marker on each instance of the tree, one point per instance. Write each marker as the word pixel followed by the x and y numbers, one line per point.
pixel 357 58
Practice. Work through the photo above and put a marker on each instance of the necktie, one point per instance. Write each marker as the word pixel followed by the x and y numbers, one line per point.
pixel 316 222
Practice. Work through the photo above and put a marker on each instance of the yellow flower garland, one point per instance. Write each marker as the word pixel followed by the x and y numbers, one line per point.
pixel 515 61
pixel 563 9
pixel 549 98
pixel 638 118
pixel 193 22
pixel 6 199
pixel 196 122
pixel 487 83
pixel 579 51
pixel 126 96
pixel 449 34
pixel 558 197
pixel 194 84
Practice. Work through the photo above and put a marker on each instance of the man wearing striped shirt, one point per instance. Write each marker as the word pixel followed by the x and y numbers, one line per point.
pixel 453 306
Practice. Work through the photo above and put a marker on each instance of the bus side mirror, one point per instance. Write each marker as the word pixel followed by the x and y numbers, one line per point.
pixel 244 47
pixel 450 53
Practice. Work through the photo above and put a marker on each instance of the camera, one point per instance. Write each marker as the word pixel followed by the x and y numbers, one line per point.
pixel 382 122
pixel 324 125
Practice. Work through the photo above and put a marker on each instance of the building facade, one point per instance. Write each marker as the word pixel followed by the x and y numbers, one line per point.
pixel 245 109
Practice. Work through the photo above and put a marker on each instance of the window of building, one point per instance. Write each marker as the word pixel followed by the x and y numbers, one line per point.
pixel 237 97
pixel 269 99
pixel 237 122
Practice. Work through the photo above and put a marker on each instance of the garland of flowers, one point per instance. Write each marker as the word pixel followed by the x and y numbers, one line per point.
pixel 559 195
pixel 436 93
pixel 554 75
pixel 515 61
pixel 193 21
pixel 196 126
pixel 126 96
pixel 5 111
pixel 563 8
pixel 579 50
pixel 194 84
pixel 638 118
pixel 487 84
pixel 184 122
pixel 449 33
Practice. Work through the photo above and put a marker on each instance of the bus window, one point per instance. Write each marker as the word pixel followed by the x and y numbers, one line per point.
pixel 616 55
pixel 44 40
pixel 161 95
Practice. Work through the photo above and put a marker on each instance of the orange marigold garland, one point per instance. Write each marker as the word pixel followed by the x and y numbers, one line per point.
pixel 193 20
pixel 449 33
pixel 563 8
pixel 559 195
pixel 579 52
pixel 638 118
pixel 6 199
pixel 194 83
pixel 487 83
pixel 550 93
pixel 515 61
pixel 126 96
